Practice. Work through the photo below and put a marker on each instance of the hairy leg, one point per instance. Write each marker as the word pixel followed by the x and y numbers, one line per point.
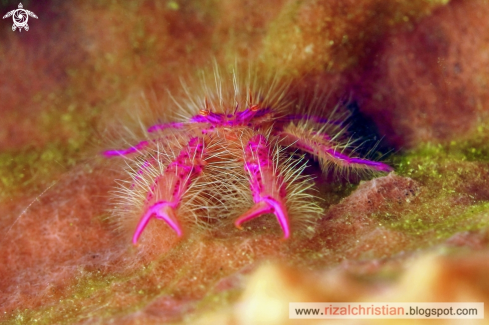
pixel 320 146
pixel 266 185
pixel 169 188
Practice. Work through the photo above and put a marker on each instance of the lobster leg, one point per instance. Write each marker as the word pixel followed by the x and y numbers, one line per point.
pixel 168 189
pixel 319 146
pixel 267 187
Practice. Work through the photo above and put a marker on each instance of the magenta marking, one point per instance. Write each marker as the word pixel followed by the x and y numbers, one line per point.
pixel 257 156
pixel 140 171
pixel 144 166
pixel 246 115
pixel 238 118
pixel 199 119
pixel 374 164
pixel 158 127
pixel 138 147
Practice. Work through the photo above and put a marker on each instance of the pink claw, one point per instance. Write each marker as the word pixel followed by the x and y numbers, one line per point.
pixel 267 188
pixel 267 205
pixel 163 211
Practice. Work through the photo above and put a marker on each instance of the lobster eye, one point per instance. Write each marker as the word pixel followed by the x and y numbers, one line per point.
pixel 204 112
pixel 254 108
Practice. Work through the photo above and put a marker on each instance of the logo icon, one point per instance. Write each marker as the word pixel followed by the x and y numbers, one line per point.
pixel 20 16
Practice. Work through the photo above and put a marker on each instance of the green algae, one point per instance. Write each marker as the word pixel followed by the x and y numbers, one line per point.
pixel 437 219
pixel 453 196
pixel 72 306
pixel 82 300
pixel 30 168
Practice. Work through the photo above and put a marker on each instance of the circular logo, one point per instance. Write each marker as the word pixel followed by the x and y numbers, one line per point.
pixel 20 17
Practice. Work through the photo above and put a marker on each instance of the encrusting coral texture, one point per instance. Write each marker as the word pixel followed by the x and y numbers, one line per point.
pixel 410 77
